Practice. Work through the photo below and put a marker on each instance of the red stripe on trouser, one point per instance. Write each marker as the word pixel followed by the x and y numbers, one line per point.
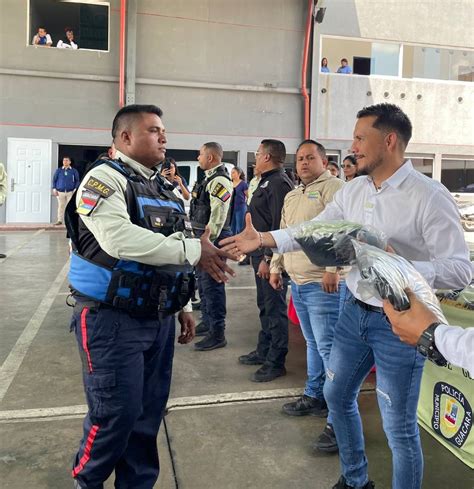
pixel 84 337
pixel 87 450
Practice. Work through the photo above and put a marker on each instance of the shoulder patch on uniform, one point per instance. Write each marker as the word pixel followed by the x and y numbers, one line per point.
pixel 99 187
pixel 88 202
pixel 265 184
pixel 221 192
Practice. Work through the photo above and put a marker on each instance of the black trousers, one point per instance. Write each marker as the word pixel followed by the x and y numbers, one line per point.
pixel 273 336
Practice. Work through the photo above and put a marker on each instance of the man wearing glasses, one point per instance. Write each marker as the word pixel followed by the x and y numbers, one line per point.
pixel 265 209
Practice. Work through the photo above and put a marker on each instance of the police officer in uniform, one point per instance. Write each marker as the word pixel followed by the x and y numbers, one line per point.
pixel 211 206
pixel 265 209
pixel 131 270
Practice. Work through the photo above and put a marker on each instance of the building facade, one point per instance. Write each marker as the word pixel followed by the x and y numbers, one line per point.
pixel 229 72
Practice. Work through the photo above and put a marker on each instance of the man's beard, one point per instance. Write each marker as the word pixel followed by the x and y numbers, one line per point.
pixel 370 167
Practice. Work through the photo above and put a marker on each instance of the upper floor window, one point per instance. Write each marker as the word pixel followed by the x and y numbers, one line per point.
pixel 69 24
pixel 364 57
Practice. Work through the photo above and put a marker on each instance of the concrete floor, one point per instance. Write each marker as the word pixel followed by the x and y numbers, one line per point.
pixel 222 431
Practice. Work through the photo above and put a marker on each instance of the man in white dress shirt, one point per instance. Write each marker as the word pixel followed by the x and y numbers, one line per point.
pixel 422 223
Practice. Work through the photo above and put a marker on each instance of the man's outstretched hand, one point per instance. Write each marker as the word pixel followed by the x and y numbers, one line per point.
pixel 213 259
pixel 247 241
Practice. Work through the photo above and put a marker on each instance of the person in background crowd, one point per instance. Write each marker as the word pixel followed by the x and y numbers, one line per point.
pixel 324 66
pixel 349 167
pixel 420 326
pixel 68 41
pixel 169 170
pixel 344 68
pixel 210 207
pixel 245 259
pixel 333 168
pixel 265 209
pixel 253 185
pixel 3 191
pixel 431 237
pixel 65 180
pixel 292 176
pixel 318 293
pixel 42 38
pixel 239 200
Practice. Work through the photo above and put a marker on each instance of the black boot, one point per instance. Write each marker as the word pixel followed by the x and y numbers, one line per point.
pixel 326 441
pixel 211 342
pixel 251 358
pixel 267 373
pixel 306 405
pixel 342 484
pixel 202 329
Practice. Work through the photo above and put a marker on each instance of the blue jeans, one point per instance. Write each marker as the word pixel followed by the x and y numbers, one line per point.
pixel 318 313
pixel 360 338
pixel 238 219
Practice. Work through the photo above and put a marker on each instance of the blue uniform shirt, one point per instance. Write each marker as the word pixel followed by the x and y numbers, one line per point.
pixel 345 69
pixel 325 69
pixel 66 179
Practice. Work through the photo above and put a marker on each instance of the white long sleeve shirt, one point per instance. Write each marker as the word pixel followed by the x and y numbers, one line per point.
pixel 456 344
pixel 419 217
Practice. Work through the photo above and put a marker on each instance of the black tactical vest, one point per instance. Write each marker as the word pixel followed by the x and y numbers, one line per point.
pixel 140 289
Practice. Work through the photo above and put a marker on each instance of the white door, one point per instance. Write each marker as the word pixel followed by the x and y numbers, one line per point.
pixel 29 180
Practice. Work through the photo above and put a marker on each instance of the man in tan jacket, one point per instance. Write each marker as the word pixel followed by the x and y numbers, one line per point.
pixel 318 293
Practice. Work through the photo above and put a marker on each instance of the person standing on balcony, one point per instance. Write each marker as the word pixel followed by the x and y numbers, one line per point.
pixel 345 69
pixel 42 38
pixel 66 179
pixel 324 66
pixel 68 41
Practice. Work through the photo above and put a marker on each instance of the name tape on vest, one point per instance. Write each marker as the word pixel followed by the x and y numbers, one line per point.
pixel 100 187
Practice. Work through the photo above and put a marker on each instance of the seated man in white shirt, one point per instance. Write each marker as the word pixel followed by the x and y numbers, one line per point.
pixel 68 41
pixel 421 221
pixel 419 326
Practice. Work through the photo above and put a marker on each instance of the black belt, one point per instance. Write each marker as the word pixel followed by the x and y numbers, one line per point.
pixel 368 307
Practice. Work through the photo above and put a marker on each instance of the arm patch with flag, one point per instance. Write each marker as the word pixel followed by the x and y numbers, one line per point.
pixel 88 202
pixel 221 192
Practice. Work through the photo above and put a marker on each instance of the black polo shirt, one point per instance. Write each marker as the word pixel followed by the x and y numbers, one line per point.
pixel 267 202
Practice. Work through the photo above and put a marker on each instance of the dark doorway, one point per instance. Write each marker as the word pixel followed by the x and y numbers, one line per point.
pixel 82 156
pixel 361 65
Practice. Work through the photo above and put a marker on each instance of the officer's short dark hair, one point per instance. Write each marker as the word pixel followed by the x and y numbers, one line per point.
pixel 129 113
pixel 276 149
pixel 391 118
pixel 321 149
pixel 215 148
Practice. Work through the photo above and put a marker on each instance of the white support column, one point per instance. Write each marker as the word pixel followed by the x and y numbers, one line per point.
pixel 437 166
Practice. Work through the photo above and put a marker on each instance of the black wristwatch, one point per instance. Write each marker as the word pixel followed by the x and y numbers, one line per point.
pixel 267 259
pixel 427 347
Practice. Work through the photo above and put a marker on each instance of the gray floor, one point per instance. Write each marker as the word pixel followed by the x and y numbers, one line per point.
pixel 222 431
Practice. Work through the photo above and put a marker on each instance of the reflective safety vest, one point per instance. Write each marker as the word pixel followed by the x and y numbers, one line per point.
pixel 200 207
pixel 142 290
